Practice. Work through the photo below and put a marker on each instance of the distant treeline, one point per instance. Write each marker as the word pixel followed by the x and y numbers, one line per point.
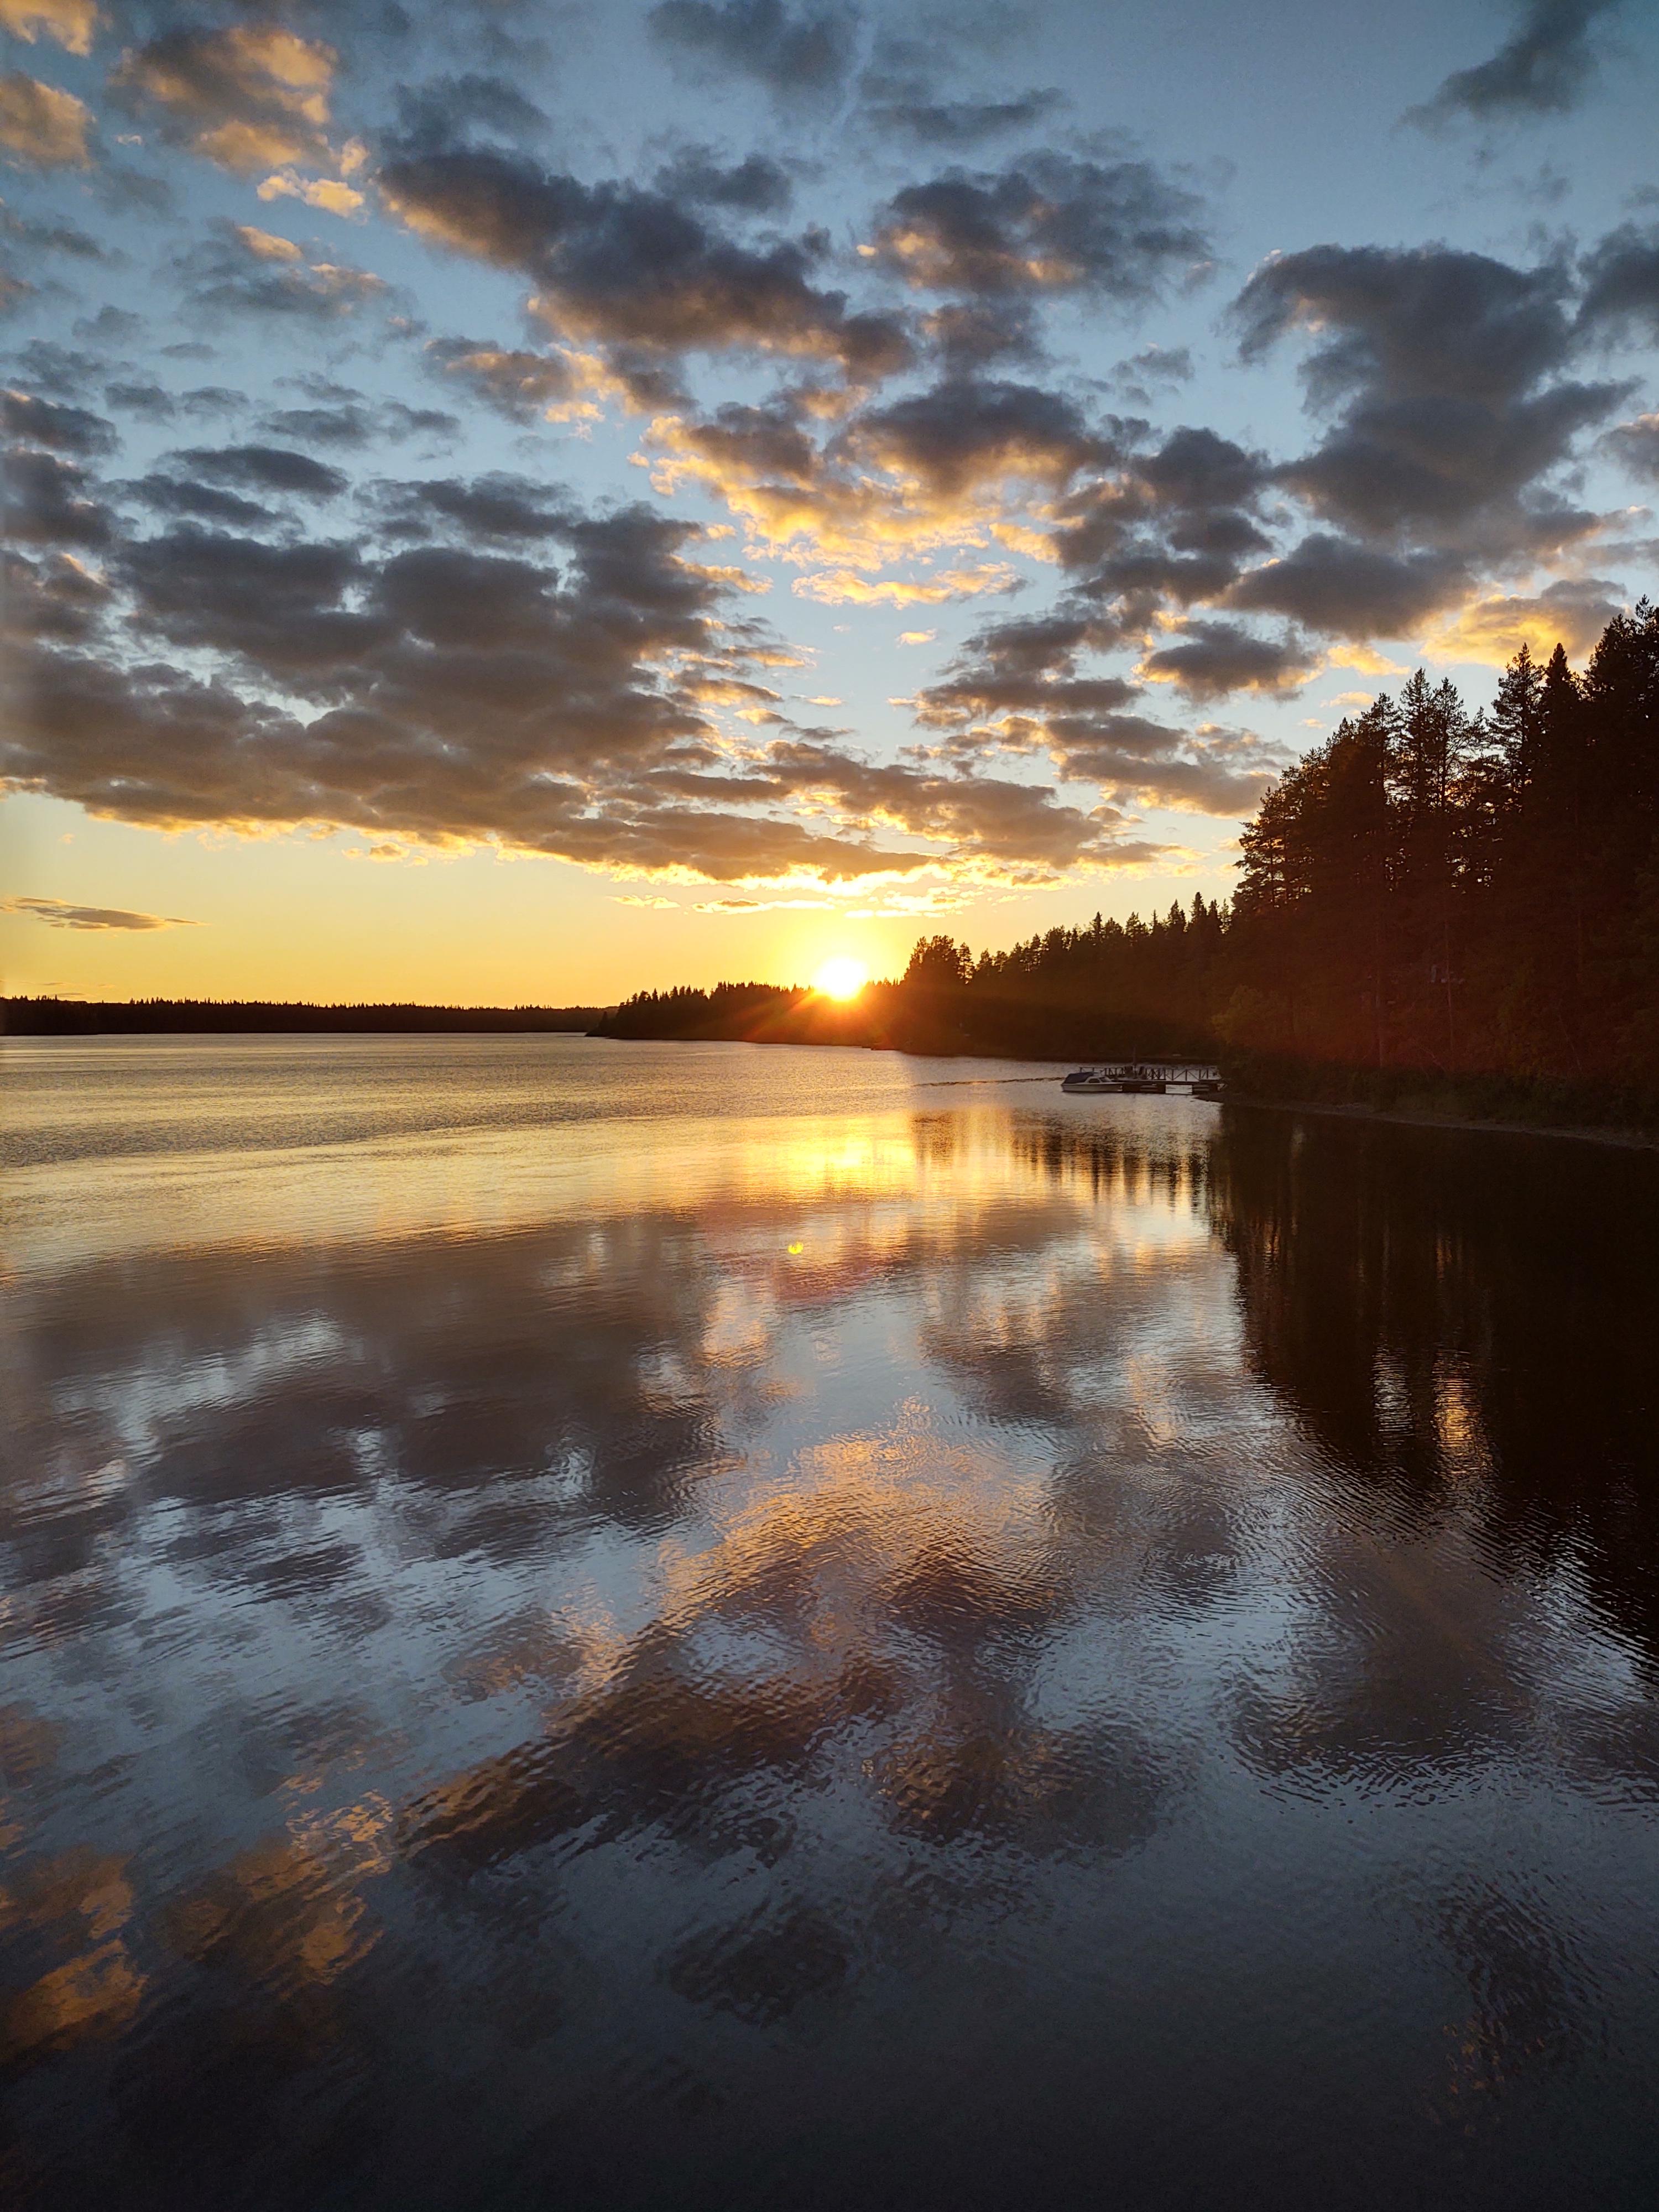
pixel 1433 905
pixel 233 1016
pixel 1114 988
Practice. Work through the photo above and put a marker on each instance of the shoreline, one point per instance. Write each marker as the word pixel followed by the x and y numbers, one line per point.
pixel 1634 1140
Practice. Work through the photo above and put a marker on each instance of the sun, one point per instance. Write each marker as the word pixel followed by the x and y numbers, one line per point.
pixel 841 978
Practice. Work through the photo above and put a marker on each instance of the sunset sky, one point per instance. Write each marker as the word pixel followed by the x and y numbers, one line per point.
pixel 521 502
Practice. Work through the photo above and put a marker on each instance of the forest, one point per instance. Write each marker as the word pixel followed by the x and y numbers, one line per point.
pixel 1433 904
pixel 50 1017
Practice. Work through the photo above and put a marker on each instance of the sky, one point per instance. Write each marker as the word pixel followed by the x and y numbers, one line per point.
pixel 518 503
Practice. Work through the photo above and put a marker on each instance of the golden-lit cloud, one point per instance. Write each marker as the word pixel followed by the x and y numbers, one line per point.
pixel 71 23
pixel 835 588
pixel 41 127
pixel 250 96
pixel 1493 629
pixel 61 913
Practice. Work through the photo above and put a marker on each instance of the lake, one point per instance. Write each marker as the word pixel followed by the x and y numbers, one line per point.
pixel 714 1627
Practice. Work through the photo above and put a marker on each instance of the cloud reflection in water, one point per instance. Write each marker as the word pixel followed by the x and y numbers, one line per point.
pixel 617 1649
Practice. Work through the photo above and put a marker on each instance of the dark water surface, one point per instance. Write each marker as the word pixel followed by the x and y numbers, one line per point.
pixel 590 1624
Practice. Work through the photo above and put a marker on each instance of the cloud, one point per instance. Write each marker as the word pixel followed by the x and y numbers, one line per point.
pixel 948 466
pixel 264 468
pixel 50 238
pixel 1349 590
pixel 1636 446
pixel 47 502
pixel 963 122
pixel 1212 659
pixel 1573 613
pixel 37 422
pixel 199 471
pixel 1544 68
pixel 1019 686
pixel 447 692
pixel 497 505
pixel 633 271
pixel 839 588
pixel 791 51
pixel 1442 370
pixel 58 913
pixel 1153 369
pixel 1051 224
pixel 756 185
pixel 71 23
pixel 522 385
pixel 250 97
pixel 445 107
pixel 41 127
pixel 236 270
pixel 332 194
pixel 1621 282
pixel 55 597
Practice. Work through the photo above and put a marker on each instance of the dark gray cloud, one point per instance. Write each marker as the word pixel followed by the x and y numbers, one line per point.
pixel 1636 446
pixel 971 334
pixel 959 123
pixel 264 468
pixel 1049 224
pixel 26 234
pixel 1153 370
pixel 1212 659
pixel 150 401
pixel 966 431
pixel 1443 371
pixel 1019 685
pixel 633 269
pixel 49 501
pixel 188 497
pixel 497 505
pixel 54 597
pixel 756 185
pixel 1348 590
pixel 448 107
pixel 1544 68
pixel 793 51
pixel 37 422
pixel 344 419
pixel 1621 284
pixel 64 371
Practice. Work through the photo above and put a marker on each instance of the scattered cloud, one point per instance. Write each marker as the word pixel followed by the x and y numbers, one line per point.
pixel 250 96
pixel 41 127
pixel 1050 224
pixel 792 52
pixel 958 123
pixel 1544 68
pixel 1572 612
pixel 1635 445
pixel 59 914
pixel 71 23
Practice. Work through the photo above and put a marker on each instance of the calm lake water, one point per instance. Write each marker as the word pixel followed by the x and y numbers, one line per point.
pixel 596 1625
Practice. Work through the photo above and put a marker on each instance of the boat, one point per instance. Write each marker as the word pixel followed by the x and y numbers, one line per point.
pixel 1145 1076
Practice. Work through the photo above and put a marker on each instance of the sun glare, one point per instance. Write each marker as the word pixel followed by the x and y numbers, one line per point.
pixel 841 978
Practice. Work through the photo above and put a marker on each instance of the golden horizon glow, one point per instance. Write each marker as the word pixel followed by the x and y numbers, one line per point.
pixel 841 977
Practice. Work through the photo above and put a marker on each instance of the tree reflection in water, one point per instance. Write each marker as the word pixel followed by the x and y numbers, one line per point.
pixel 918 1652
